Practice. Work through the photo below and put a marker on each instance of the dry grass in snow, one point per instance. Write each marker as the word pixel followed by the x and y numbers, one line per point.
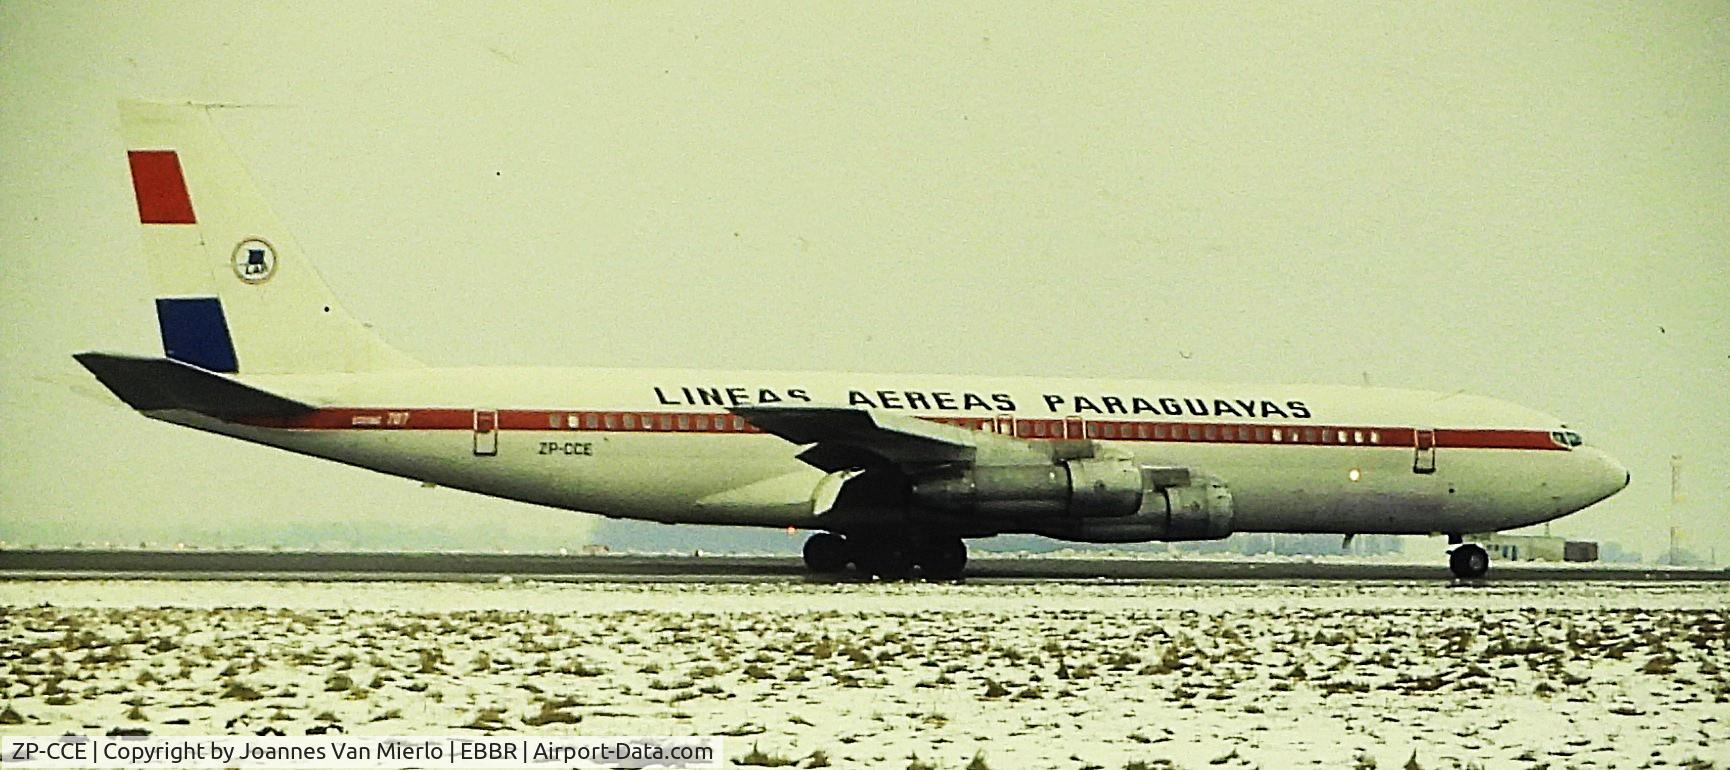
pixel 1001 676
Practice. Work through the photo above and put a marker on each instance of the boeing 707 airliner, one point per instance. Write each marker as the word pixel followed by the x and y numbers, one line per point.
pixel 892 473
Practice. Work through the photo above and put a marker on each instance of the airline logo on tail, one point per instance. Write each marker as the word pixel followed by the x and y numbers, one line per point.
pixel 254 261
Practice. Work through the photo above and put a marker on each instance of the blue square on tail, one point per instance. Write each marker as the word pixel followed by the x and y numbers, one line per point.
pixel 195 331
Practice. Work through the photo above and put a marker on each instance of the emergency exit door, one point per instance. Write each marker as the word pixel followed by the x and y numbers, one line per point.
pixel 486 432
pixel 1424 443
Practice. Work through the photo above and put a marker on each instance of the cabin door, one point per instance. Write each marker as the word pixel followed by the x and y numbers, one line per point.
pixel 486 432
pixel 1425 445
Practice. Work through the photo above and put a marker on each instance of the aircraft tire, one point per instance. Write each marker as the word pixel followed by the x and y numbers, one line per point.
pixel 1469 561
pixel 943 559
pixel 827 553
pixel 885 560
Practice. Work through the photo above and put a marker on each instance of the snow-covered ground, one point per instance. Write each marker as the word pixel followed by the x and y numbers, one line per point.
pixel 1071 675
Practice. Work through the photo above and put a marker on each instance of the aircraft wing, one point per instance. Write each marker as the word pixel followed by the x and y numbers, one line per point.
pixel 845 437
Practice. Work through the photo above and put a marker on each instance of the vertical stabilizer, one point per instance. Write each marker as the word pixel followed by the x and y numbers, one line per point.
pixel 234 292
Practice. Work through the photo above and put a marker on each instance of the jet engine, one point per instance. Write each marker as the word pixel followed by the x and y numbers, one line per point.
pixel 1198 510
pixel 1083 488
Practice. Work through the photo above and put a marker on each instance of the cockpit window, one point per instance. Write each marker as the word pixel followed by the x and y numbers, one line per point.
pixel 1566 438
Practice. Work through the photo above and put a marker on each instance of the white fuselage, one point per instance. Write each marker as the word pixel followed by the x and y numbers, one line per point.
pixel 661 445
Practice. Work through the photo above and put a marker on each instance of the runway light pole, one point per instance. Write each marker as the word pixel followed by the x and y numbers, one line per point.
pixel 1675 505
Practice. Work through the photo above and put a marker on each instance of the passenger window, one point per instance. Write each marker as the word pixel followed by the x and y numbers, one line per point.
pixel 666 422
pixel 1243 433
pixel 591 421
pixel 611 421
pixel 1093 430
pixel 1357 437
pixel 738 423
pixel 573 421
pixel 1310 436
pixel 630 421
pixel 1159 431
pixel 684 421
pixel 702 422
pixel 1210 432
pixel 1342 437
pixel 1375 437
pixel 1277 435
pixel 1141 430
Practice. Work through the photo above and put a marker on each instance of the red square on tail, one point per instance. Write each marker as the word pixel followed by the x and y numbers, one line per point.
pixel 161 190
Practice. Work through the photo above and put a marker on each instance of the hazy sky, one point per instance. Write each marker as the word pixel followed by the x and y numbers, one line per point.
pixel 1528 201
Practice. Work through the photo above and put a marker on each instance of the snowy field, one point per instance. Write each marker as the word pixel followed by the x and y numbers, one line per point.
pixel 1024 675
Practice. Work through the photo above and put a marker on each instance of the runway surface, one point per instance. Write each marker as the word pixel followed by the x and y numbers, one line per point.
pixel 237 565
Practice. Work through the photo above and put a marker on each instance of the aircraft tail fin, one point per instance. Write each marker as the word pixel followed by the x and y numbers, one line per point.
pixel 233 291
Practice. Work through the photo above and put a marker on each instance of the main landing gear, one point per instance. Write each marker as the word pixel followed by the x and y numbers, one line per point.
pixel 826 553
pixel 887 558
pixel 1469 561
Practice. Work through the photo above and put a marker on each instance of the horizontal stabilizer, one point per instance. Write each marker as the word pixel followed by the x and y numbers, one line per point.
pixel 152 384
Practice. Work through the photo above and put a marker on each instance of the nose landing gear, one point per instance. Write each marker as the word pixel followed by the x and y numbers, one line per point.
pixel 1469 561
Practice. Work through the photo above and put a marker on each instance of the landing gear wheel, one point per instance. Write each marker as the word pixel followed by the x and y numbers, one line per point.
pixel 943 559
pixel 1469 561
pixel 827 553
pixel 885 560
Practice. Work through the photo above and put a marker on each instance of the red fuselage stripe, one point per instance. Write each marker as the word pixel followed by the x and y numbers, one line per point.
pixel 344 418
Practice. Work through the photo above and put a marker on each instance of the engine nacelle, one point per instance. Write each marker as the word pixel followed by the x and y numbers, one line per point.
pixel 1104 487
pixel 1199 510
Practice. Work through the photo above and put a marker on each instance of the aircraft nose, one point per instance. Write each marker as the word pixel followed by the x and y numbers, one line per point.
pixel 1609 476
